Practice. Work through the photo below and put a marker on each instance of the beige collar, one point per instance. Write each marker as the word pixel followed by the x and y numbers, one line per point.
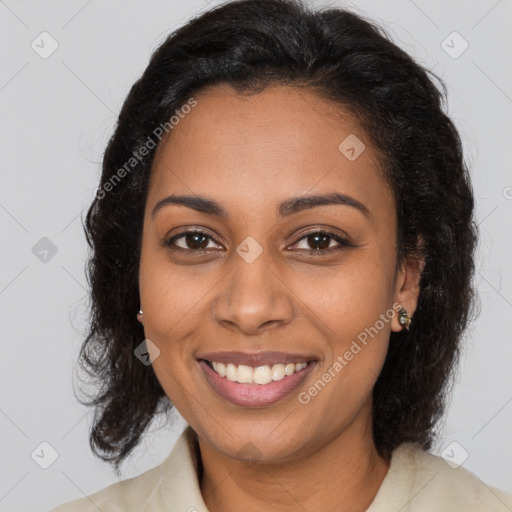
pixel 416 481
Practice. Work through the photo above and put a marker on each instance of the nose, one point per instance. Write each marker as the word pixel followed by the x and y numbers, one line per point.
pixel 253 297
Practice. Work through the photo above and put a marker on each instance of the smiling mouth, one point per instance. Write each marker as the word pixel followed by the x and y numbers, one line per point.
pixel 261 375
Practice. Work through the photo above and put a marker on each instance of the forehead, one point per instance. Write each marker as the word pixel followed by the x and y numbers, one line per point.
pixel 265 147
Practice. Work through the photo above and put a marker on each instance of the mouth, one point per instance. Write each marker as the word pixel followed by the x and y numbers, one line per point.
pixel 256 384
pixel 260 375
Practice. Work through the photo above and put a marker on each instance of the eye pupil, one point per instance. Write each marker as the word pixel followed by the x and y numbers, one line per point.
pixel 196 241
pixel 322 240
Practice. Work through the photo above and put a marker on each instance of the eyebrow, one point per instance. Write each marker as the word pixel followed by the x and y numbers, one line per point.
pixel 286 208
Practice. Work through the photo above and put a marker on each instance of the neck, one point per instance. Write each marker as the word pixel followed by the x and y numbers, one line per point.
pixel 343 474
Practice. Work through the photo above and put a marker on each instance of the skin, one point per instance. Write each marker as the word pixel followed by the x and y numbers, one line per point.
pixel 250 153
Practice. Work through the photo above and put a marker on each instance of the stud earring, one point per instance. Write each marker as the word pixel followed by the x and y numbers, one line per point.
pixel 139 316
pixel 403 318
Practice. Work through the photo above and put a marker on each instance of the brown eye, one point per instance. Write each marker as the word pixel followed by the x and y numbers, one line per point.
pixel 320 242
pixel 190 240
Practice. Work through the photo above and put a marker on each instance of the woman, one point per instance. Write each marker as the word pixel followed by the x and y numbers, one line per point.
pixel 283 244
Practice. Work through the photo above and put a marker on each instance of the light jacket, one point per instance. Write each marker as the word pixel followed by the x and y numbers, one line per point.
pixel 417 481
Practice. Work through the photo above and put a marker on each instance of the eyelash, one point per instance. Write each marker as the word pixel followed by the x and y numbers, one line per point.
pixel 343 243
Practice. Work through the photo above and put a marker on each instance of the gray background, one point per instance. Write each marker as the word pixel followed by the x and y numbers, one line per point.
pixel 56 115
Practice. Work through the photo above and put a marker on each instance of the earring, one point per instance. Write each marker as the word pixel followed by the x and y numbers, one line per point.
pixel 139 316
pixel 403 318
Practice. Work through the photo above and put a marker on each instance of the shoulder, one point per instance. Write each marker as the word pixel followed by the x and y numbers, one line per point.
pixel 117 497
pixel 167 487
pixel 435 484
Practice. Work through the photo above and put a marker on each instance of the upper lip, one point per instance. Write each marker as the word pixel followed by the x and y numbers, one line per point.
pixel 256 358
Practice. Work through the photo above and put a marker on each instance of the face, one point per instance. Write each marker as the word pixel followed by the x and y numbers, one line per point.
pixel 293 297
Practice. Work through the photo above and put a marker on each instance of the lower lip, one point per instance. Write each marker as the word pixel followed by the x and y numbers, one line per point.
pixel 255 395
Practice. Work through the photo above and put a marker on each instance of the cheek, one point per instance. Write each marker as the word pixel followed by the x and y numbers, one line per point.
pixel 172 295
pixel 166 301
pixel 346 299
pixel 353 309
pixel 357 341
pixel 172 312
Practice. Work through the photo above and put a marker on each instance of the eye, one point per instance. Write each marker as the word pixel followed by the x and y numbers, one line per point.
pixel 321 241
pixel 192 240
pixel 317 242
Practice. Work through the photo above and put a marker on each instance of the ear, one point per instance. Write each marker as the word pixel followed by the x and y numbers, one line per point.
pixel 407 287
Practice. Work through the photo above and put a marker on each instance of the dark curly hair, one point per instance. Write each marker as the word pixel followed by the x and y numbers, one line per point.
pixel 341 56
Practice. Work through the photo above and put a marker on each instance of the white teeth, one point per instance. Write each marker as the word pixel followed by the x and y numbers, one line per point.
pixel 278 372
pixel 289 369
pixel 244 374
pixel 231 372
pixel 260 375
pixel 221 369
